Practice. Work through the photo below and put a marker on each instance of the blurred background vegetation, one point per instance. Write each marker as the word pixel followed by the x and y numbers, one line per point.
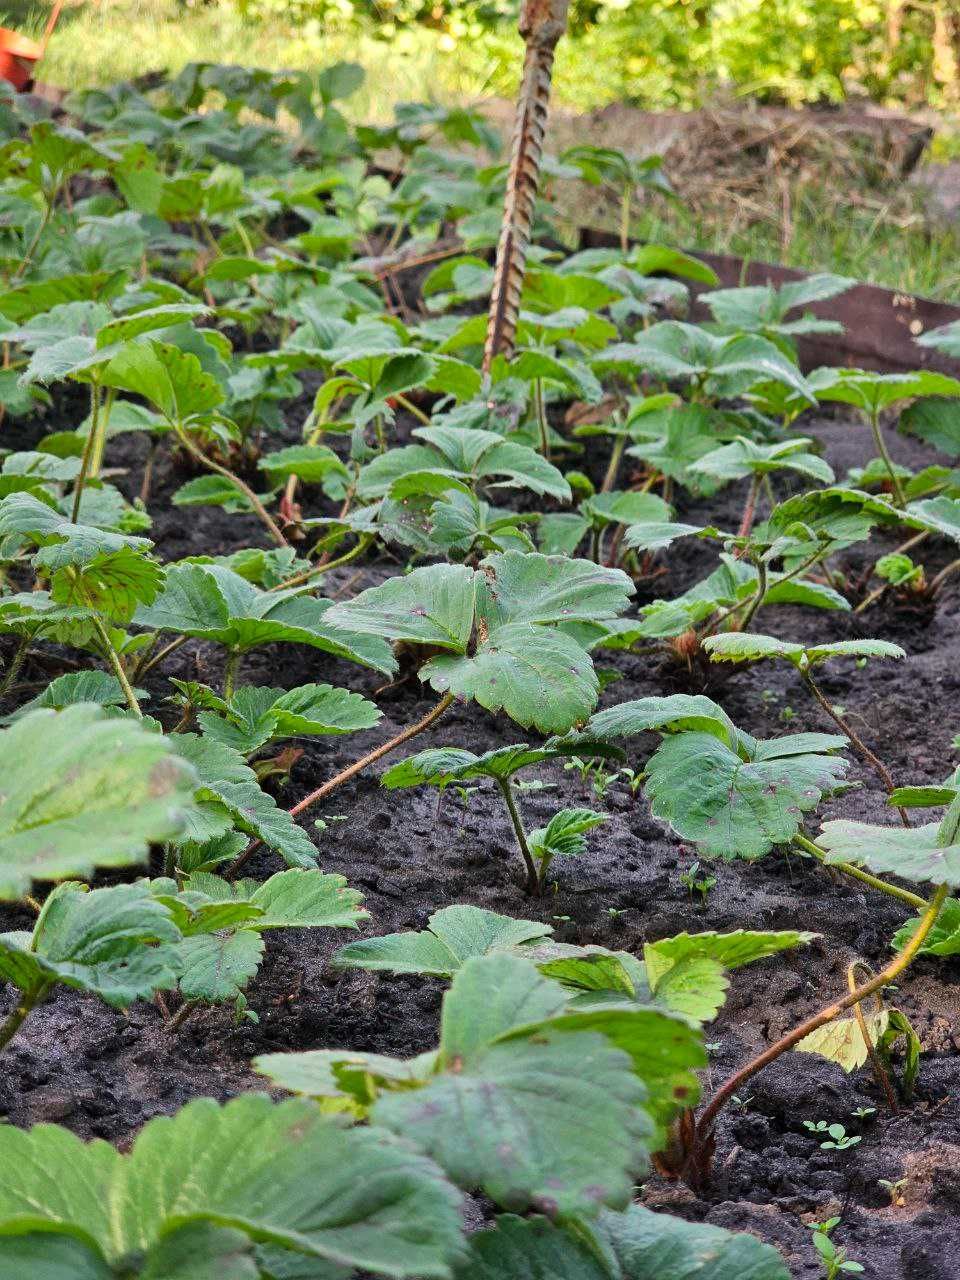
pixel 652 53
pixel 792 187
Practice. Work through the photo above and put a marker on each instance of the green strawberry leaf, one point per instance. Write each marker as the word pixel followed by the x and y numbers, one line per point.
pixel 108 789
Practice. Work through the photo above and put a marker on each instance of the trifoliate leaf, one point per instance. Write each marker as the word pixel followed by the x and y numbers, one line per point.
pixel 255 715
pixel 564 833
pixel 672 714
pixel 171 380
pixel 226 780
pixel 312 463
pixel 107 789
pixel 454 935
pixel 281 1173
pixel 744 457
pixel 213 603
pixel 634 1245
pixel 734 807
pixel 688 972
pixel 842 1042
pixel 114 943
pixel 940 515
pixel 742 646
pixel 942 940
pixel 78 686
pixel 215 967
pixel 913 853
pixel 433 605
pixel 539 1082
pixel 538 676
pixel 306 899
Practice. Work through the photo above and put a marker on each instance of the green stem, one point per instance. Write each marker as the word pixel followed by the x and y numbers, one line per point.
pixel 230 673
pixel 89 448
pixel 32 247
pixel 904 895
pixel 700 1157
pixel 13 670
pixel 857 742
pixel 151 660
pixel 625 210
pixel 613 466
pixel 595 543
pixel 312 572
pixel 757 599
pixel 877 430
pixel 198 455
pixel 15 1020
pixel 533 876
pixel 100 440
pixel 412 408
pixel 114 659
pixel 541 412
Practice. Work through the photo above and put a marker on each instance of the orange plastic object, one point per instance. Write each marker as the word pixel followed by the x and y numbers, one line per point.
pixel 19 55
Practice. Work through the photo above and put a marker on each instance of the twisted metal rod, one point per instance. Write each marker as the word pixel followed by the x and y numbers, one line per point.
pixel 542 23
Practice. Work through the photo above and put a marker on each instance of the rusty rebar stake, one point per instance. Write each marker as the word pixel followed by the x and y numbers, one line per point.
pixel 542 23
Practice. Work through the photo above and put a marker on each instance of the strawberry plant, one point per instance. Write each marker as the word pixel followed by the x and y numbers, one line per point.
pixel 119 944
pixel 263 452
pixel 222 924
pixel 565 831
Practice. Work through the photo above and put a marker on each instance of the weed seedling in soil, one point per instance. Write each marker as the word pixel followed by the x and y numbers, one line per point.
pixel 838 1140
pixel 698 881
pixel 832 1257
pixel 451 766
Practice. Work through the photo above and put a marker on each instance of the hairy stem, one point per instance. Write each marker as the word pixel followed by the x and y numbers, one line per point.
pixel 321 567
pixel 541 412
pixel 32 247
pixel 16 663
pixel 859 745
pixel 613 466
pixel 750 506
pixel 846 868
pixel 147 480
pixel 151 660
pixel 886 975
pixel 410 407
pixel 625 211
pixel 880 1072
pixel 18 1016
pixel 351 771
pixel 230 673
pixel 89 451
pixel 757 599
pixel 183 1013
pixel 533 876
pixel 114 659
pixel 937 581
pixel 881 444
pixel 100 439
pixel 199 456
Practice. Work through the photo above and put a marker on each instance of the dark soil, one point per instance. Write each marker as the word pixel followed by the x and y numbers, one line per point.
pixel 104 1073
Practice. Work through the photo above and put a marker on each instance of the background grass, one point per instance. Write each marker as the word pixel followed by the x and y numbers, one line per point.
pixel 102 41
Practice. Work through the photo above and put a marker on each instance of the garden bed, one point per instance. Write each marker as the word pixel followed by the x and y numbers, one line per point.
pixel 103 1073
